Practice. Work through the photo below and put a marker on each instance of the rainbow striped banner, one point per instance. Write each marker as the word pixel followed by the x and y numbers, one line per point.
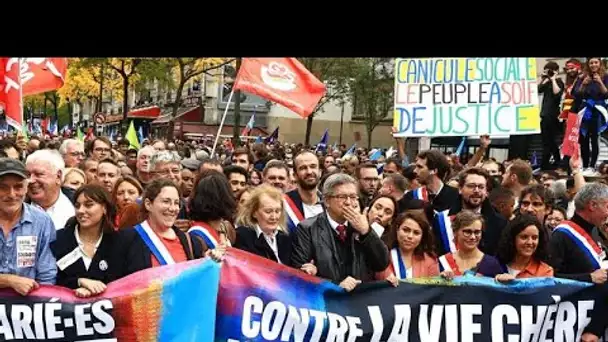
pixel 170 303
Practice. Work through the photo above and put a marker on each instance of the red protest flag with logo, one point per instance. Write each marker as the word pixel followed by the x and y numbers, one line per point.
pixel 10 92
pixel 39 75
pixel 282 80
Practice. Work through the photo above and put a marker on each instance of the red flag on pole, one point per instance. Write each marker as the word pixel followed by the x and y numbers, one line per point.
pixel 39 75
pixel 10 92
pixel 282 80
pixel 27 76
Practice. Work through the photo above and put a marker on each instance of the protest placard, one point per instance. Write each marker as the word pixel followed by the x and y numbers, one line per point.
pixel 466 97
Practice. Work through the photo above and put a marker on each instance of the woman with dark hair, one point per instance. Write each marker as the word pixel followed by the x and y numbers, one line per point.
pixel 410 241
pixel 255 177
pixel 156 241
pixel 126 191
pixel 468 228
pixel 590 92
pixel 85 248
pixel 381 212
pixel 212 208
pixel 523 250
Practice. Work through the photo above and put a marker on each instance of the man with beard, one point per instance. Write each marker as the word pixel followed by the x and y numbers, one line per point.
pixel 473 187
pixel 368 181
pixel 431 169
pixel 305 201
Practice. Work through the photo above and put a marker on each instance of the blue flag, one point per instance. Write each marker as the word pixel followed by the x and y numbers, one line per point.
pixel 322 145
pixel 376 155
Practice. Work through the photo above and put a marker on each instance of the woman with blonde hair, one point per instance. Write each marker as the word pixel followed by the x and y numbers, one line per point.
pixel 261 231
pixel 74 178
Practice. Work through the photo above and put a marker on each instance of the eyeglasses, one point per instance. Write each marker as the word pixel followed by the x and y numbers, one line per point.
pixel 345 197
pixel 472 186
pixel 101 149
pixel 470 232
pixel 77 154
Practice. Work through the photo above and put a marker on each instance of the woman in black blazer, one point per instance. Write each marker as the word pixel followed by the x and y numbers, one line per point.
pixel 156 241
pixel 260 227
pixel 85 248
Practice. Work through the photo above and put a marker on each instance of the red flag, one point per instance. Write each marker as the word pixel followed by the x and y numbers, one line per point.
pixel 39 75
pixel 570 144
pixel 282 80
pixel 10 94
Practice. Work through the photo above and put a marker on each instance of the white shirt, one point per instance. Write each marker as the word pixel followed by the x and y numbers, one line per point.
pixel 513 271
pixel 570 210
pixel 85 258
pixel 61 211
pixel 312 210
pixel 271 240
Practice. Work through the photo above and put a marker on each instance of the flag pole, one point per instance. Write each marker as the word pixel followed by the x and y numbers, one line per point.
pixel 219 131
pixel 20 95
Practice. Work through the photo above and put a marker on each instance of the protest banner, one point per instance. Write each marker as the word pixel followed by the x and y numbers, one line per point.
pixel 248 298
pixel 466 97
pixel 171 303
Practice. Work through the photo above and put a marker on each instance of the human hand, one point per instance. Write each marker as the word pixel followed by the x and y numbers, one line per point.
pixel 349 283
pixel 357 220
pixel 81 292
pixel 485 141
pixel 586 80
pixel 393 280
pixel 216 254
pixel 447 275
pixel 597 78
pixel 504 278
pixel 95 287
pixel 309 268
pixel 23 285
pixel 599 276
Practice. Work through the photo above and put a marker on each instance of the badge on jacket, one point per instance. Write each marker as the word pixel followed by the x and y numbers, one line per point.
pixel 103 265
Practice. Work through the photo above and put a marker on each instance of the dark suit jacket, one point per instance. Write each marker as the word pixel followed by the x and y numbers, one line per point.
pixel 314 240
pixel 65 243
pixel 444 200
pixel 494 226
pixel 247 240
pixel 137 256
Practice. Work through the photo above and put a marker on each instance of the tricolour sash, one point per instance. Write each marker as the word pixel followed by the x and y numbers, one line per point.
pixel 154 244
pixel 583 241
pixel 446 233
pixel 399 265
pixel 421 194
pixel 448 263
pixel 205 232
pixel 294 215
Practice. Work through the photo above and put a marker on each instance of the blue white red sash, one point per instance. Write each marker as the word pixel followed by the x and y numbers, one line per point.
pixel 399 265
pixel 448 263
pixel 446 233
pixel 585 242
pixel 205 232
pixel 294 215
pixel 421 194
pixel 154 244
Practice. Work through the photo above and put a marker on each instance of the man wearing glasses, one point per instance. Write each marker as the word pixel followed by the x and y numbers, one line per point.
pixel 340 242
pixel 473 186
pixel 101 148
pixel 72 152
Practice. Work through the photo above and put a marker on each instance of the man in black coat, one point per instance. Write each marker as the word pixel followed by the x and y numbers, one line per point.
pixel 431 169
pixel 339 241
pixel 473 196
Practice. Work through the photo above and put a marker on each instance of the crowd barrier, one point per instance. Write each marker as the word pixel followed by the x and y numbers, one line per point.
pixel 247 298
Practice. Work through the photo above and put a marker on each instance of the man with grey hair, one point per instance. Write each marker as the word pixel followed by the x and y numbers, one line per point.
pixel 72 152
pixel 575 253
pixel 339 241
pixel 44 189
pixel 167 164
pixel 142 165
